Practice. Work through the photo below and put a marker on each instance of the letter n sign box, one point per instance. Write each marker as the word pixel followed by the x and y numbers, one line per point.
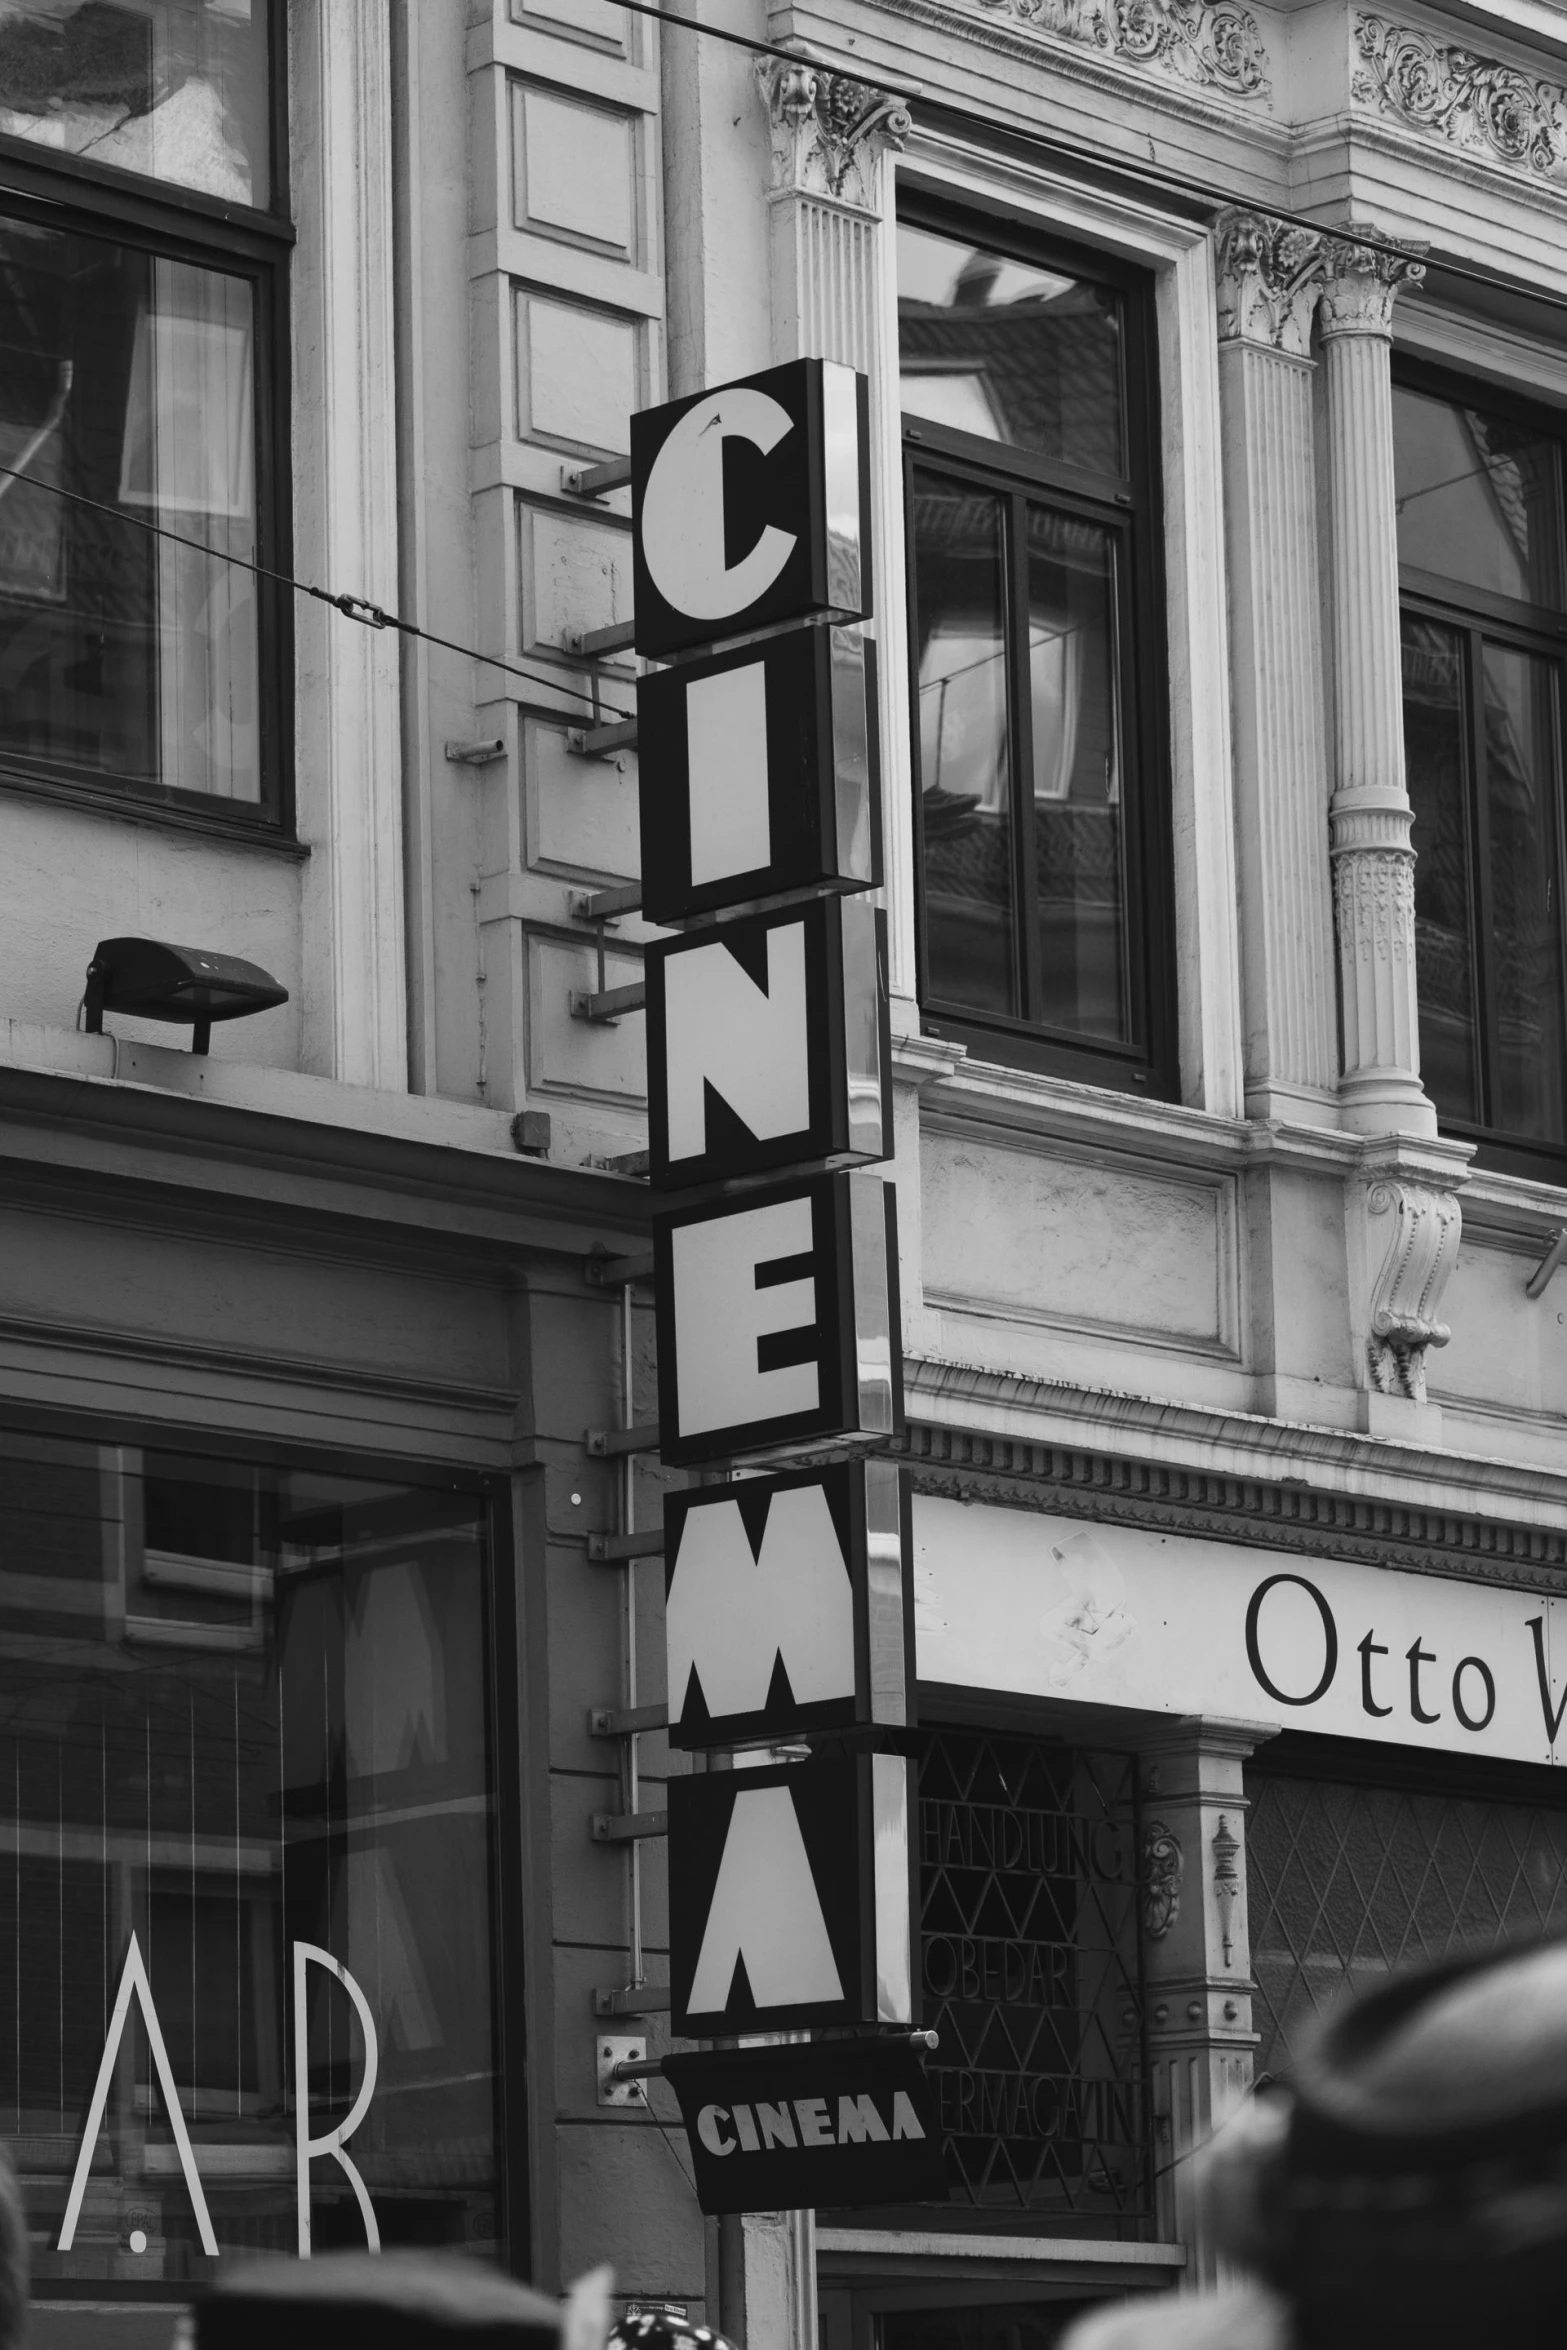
pixel 789 1612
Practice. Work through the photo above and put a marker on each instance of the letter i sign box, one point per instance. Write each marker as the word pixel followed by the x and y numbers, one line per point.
pixel 789 1614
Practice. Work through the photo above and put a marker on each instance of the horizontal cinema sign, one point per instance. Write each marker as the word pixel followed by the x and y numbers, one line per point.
pixel 1042 1606
pixel 838 2123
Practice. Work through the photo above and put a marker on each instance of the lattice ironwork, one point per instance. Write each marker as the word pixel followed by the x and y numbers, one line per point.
pixel 1029 1894
pixel 1345 1883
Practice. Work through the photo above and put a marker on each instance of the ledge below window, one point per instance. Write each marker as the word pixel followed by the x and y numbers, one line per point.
pixel 218 824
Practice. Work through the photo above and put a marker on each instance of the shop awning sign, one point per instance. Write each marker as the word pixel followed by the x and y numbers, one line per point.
pixel 1044 1606
pixel 838 2123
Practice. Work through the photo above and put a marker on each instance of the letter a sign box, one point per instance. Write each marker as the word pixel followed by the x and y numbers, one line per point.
pixel 789 1614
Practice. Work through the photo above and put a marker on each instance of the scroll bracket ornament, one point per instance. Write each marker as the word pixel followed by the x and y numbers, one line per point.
pixel 1269 280
pixel 1422 1250
pixel 1163 1868
pixel 827 130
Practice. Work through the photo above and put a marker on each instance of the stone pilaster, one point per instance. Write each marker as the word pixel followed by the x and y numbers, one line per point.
pixel 1196 1956
pixel 834 297
pixel 1269 278
pixel 1373 862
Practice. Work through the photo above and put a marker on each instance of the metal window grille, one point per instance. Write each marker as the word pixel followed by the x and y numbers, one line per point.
pixel 1347 1882
pixel 1028 1891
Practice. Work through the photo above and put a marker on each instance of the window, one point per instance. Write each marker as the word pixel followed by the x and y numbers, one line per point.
pixel 1350 1878
pixel 1030 1973
pixel 1033 551
pixel 243 1712
pixel 141 292
pixel 1479 491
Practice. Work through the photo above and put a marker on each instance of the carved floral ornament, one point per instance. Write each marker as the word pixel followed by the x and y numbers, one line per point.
pixel 826 129
pixel 1163 1867
pixel 1213 43
pixel 1476 103
pixel 1272 274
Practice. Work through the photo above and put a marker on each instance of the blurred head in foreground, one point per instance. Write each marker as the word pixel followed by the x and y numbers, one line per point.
pixel 1412 2188
pixel 13 2259
pixel 395 2301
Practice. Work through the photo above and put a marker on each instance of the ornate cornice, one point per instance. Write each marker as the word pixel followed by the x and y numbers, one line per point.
pixel 1362 281
pixel 1215 44
pixel 1476 103
pixel 1269 278
pixel 826 129
pixel 1017 1473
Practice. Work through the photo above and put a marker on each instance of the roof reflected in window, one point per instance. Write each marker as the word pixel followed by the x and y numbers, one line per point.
pixel 1009 352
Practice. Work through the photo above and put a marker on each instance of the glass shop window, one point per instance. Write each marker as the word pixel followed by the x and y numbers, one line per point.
pixel 1031 1975
pixel 245 1789
pixel 1028 416
pixel 1480 541
pixel 1349 1879
pixel 140 655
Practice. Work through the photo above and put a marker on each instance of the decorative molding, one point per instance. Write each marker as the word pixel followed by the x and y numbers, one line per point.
pixel 1226 1882
pixel 1013 1473
pixel 1362 281
pixel 1214 43
pixel 1408 1292
pixel 1269 277
pixel 823 127
pixel 1475 103
pixel 1163 1868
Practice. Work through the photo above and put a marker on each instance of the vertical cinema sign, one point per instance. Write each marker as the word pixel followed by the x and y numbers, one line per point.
pixel 789 1616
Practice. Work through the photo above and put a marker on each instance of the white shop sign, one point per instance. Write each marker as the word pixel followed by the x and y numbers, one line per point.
pixel 1044 1606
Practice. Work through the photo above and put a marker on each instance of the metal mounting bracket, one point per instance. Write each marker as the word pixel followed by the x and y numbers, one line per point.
pixel 1554 1257
pixel 622 2067
pixel 628 1827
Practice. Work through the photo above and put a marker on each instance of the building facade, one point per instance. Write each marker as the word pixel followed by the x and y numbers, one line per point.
pixel 1218 375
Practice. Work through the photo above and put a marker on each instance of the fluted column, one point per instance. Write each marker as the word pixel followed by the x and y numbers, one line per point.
pixel 835 297
pixel 1373 862
pixel 1269 278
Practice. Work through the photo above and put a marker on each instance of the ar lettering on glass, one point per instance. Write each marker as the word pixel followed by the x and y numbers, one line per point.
pixel 134 1981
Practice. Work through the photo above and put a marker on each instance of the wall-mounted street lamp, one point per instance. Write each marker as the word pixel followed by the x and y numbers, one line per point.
pixel 192 985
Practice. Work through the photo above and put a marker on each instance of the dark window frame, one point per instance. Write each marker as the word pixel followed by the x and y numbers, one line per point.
pixel 83 197
pixel 1129 506
pixel 1479 616
pixel 504 1600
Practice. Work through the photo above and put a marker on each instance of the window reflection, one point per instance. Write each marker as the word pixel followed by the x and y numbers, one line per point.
pixel 241 1709
pixel 1435 728
pixel 965 746
pixel 1009 352
pixel 126 378
pixel 174 89
pixel 1522 766
pixel 1477 498
pixel 1077 773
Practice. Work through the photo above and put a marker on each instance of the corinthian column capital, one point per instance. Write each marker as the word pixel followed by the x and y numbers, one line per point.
pixel 1269 278
pixel 827 129
pixel 1363 282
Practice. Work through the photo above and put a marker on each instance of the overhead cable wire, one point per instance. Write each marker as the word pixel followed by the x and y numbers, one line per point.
pixel 360 608
pixel 1077 151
